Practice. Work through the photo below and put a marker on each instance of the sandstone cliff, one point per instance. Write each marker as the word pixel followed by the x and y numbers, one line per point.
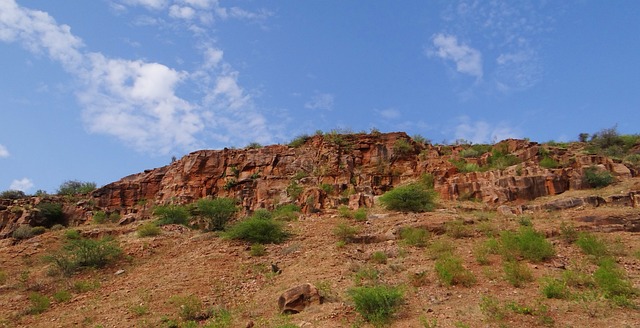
pixel 327 171
pixel 333 169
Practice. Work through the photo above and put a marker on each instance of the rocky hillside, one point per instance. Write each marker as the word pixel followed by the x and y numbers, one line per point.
pixel 325 171
pixel 328 170
pixel 519 238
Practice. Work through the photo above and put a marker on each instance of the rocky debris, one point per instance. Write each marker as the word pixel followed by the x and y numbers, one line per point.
pixel 612 223
pixel 296 299
pixel 127 219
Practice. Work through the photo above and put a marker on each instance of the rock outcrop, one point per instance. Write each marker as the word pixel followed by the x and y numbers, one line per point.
pixel 296 299
pixel 330 170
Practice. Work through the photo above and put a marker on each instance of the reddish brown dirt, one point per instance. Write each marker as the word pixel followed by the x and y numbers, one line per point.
pixel 221 272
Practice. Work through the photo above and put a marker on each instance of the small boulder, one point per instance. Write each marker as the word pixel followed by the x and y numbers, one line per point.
pixel 296 299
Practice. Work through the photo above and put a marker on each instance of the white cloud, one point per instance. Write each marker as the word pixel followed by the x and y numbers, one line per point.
pixel 4 152
pixel 137 101
pixel 38 32
pixel 468 60
pixel 511 31
pixel 185 12
pixel 205 4
pixel 23 184
pixel 320 101
pixel 150 4
pixel 518 70
pixel 479 132
pixel 389 113
pixel 212 57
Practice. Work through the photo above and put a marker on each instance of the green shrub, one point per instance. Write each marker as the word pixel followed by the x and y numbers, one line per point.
pixel 294 190
pixel 525 221
pixel 221 318
pixel 414 236
pixel 633 159
pixel 189 307
pixel 568 232
pixel 258 250
pixel 499 159
pixel 464 167
pixel 83 286
pixel 456 229
pixel 38 230
pixel 39 303
pixel 492 309
pixel 549 163
pixel 287 212
pixel 596 178
pixel 22 232
pixel 299 141
pixel 358 215
pixel 403 147
pixel 377 304
pixel 114 217
pixel 592 245
pixel 71 234
pixel 420 139
pixel 253 145
pixel 12 194
pixel 469 152
pixel 78 253
pixel 75 187
pixel 526 243
pixel 171 214
pixel 409 198
pixel 481 251
pixel 554 288
pixel 366 274
pixel 450 271
pixel 611 280
pixel 327 187
pixel 345 232
pixel 52 212
pixel 57 227
pixel 379 257
pixel 516 273
pixel 258 230
pixel 216 212
pixel 100 217
pixel 62 296
pixel 440 248
pixel 148 229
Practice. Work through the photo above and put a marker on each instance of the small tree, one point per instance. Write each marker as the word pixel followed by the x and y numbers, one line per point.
pixel 51 212
pixel 583 137
pixel 377 304
pixel 596 178
pixel 12 194
pixel 171 214
pixel 217 212
pixel 75 187
pixel 258 229
pixel 413 197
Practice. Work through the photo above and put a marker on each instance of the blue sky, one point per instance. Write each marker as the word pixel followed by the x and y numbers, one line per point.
pixel 97 90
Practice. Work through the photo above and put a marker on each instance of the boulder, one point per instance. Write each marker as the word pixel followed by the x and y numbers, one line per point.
pixel 296 299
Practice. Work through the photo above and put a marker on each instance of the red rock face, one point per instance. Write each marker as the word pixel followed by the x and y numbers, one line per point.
pixel 356 166
pixel 326 172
